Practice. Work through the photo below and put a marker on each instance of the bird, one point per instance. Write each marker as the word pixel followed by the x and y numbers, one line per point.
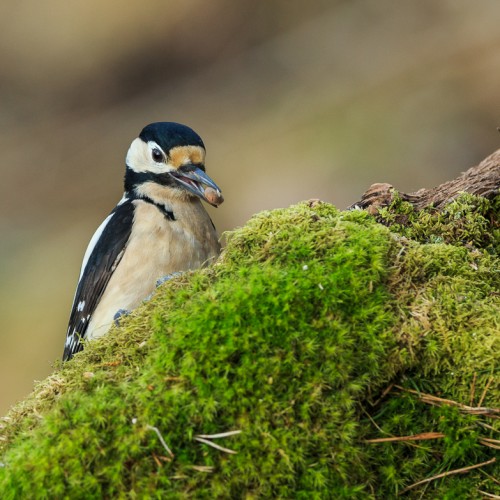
pixel 157 229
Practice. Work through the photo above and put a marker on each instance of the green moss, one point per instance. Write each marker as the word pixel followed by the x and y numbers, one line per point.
pixel 469 220
pixel 291 338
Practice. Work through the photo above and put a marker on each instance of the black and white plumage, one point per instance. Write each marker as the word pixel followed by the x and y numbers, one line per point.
pixel 159 227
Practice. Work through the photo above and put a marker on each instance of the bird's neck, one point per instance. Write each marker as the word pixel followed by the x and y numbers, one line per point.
pixel 160 195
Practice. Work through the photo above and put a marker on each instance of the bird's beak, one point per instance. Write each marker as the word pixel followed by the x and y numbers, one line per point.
pixel 196 181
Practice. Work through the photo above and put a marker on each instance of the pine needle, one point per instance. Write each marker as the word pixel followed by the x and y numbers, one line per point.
pixel 216 446
pixel 220 435
pixel 463 470
pixel 483 395
pixel 434 400
pixel 490 443
pixel 488 495
pixel 202 468
pixel 160 437
pixel 416 437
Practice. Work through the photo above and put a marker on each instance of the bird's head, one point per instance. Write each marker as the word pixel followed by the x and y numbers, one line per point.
pixel 168 160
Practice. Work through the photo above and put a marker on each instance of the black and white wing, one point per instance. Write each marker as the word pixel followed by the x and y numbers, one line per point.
pixel 103 255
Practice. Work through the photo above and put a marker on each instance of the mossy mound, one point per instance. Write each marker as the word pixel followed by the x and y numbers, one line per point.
pixel 293 338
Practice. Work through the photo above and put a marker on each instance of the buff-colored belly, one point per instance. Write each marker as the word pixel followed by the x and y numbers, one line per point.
pixel 157 247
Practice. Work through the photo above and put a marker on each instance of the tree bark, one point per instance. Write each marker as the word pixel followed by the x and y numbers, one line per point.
pixel 481 180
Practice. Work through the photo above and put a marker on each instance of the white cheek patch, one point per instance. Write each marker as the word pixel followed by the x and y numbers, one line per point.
pixel 137 156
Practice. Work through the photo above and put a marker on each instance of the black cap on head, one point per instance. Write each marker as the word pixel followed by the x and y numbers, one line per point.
pixel 169 135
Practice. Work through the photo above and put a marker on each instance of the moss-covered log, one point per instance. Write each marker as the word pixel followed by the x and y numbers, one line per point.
pixel 482 180
pixel 335 357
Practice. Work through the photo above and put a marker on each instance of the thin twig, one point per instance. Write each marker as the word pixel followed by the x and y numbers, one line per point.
pixel 491 440
pixel 489 444
pixel 488 495
pixel 373 421
pixel 213 445
pixel 160 437
pixel 158 463
pixel 202 468
pixel 448 473
pixel 382 430
pixel 488 426
pixel 483 395
pixel 220 435
pixel 434 400
pixel 386 391
pixel 495 480
pixel 473 389
pixel 416 437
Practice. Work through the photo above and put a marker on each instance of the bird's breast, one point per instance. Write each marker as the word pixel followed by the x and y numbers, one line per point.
pixel 157 246
pixel 184 243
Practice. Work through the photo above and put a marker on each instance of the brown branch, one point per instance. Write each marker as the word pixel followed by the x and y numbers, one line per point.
pixel 463 470
pixel 481 180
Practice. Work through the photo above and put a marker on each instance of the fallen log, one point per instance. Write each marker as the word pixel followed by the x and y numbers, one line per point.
pixel 481 180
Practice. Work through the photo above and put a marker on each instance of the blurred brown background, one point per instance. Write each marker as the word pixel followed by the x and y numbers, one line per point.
pixel 294 100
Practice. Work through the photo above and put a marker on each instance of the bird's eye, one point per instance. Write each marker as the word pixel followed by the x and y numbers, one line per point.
pixel 157 155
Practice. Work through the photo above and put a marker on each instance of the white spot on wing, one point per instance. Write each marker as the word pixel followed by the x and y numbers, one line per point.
pixel 117 260
pixel 81 305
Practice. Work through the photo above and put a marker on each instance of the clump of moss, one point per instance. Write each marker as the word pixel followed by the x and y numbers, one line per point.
pixel 468 220
pixel 292 339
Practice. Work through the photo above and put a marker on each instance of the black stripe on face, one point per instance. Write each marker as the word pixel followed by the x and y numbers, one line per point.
pixel 134 179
